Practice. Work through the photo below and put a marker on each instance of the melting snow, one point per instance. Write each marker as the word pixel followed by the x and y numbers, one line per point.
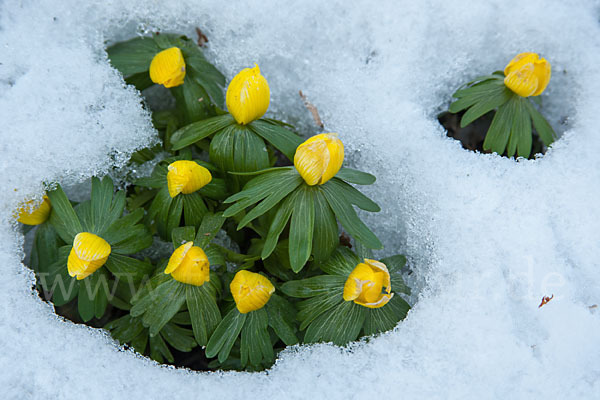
pixel 487 237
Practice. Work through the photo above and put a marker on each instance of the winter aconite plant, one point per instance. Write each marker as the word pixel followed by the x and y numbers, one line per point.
pixel 510 94
pixel 229 250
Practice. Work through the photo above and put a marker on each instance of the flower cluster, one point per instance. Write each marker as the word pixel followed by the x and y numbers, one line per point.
pixel 236 245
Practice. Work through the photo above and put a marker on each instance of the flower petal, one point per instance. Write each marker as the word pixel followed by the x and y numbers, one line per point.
pixel 37 216
pixel 177 257
pixel 90 247
pixel 168 68
pixel 248 95
pixel 194 269
pixel 382 301
pixel 251 291
pixel 186 177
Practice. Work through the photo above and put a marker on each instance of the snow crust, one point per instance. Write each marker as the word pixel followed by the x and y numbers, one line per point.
pixel 486 236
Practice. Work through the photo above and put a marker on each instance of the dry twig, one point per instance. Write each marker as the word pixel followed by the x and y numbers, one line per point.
pixel 202 39
pixel 545 300
pixel 313 110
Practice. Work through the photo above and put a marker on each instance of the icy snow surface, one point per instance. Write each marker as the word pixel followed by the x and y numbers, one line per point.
pixel 487 236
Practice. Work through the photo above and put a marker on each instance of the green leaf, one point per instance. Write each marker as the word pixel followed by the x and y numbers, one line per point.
pixel 178 337
pixel 477 93
pixel 216 190
pixel 483 88
pixel 160 305
pixel 221 151
pixel 126 268
pixel 159 349
pixel 192 101
pixel 210 226
pixel 526 137
pixel 214 255
pixel 340 325
pixel 193 208
pixel 204 313
pixel 362 251
pixel 207 76
pixel 262 171
pixel 286 185
pixel 120 230
pixel 394 263
pixel 125 329
pixel 199 130
pixel 46 247
pixel 302 226
pixel 491 101
pixel 159 211
pixel 133 56
pixel 224 337
pixel 173 217
pixel 259 188
pixel 151 284
pixel 310 309
pixel 58 282
pixel 276 308
pixel 542 127
pixel 141 80
pixel 182 235
pixel 353 196
pixel 93 293
pixel 520 133
pixel 101 201
pixel 280 220
pixel 182 318
pixel 349 220
pixel 250 151
pixel 387 317
pixel 63 217
pixel 325 237
pixel 255 343
pixel 138 240
pixel 281 138
pixel 497 135
pixel 341 263
pixel 355 176
pixel 278 263
pixel 314 286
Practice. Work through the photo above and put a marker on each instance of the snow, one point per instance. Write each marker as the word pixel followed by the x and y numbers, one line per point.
pixel 486 236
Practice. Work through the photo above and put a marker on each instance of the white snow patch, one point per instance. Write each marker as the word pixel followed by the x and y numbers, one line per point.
pixel 487 237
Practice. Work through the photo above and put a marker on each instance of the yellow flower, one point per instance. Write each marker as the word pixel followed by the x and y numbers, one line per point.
pixel 367 283
pixel 186 177
pixel 37 216
pixel 251 291
pixel 319 158
pixel 89 253
pixel 527 74
pixel 248 95
pixel 189 264
pixel 168 68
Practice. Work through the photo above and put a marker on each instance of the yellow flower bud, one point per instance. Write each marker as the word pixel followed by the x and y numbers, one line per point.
pixel 89 253
pixel 186 177
pixel 369 285
pixel 168 68
pixel 251 291
pixel 527 74
pixel 319 158
pixel 248 95
pixel 189 264
pixel 37 216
